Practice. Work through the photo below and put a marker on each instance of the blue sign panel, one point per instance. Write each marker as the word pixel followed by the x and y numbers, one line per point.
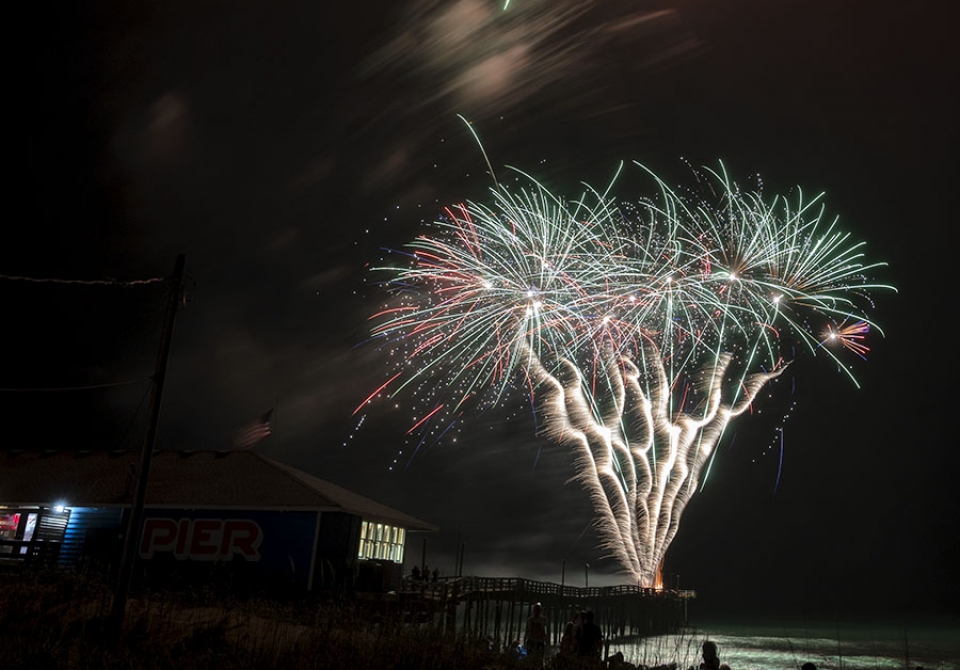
pixel 256 547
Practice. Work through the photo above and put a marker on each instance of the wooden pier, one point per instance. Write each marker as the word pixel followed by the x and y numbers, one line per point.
pixel 497 608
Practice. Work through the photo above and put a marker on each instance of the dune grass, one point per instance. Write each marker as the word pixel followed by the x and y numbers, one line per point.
pixel 59 621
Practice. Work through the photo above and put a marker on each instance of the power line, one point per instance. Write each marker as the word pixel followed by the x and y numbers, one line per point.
pixel 74 388
pixel 134 418
pixel 87 282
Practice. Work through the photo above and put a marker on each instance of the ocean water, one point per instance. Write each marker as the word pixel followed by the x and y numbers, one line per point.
pixel 933 645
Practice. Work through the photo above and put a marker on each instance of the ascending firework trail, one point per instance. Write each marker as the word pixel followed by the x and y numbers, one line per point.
pixel 638 330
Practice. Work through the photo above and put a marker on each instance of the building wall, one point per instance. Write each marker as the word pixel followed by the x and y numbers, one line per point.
pixel 235 549
pixel 338 546
pixel 92 539
pixel 244 549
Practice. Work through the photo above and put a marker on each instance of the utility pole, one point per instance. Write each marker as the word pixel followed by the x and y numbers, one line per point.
pixel 132 534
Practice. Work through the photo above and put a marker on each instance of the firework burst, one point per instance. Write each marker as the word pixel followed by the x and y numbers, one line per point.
pixel 850 336
pixel 638 330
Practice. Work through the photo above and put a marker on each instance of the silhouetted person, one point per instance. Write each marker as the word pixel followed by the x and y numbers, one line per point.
pixel 415 573
pixel 536 635
pixel 589 637
pixel 711 657
pixel 617 662
pixel 436 574
pixel 568 641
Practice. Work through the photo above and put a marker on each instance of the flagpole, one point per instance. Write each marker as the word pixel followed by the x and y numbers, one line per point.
pixel 134 521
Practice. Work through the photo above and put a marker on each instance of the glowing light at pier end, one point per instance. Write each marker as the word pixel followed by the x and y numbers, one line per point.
pixel 638 330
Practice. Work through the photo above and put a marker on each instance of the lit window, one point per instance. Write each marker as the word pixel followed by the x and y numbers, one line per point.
pixel 381 541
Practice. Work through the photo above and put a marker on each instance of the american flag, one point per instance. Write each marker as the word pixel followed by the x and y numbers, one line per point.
pixel 253 432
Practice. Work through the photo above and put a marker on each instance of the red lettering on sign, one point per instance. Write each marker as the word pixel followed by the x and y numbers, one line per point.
pixel 183 534
pixel 158 535
pixel 241 536
pixel 205 541
pixel 202 539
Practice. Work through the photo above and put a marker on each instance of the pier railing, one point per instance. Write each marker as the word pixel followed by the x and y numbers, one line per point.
pixel 497 608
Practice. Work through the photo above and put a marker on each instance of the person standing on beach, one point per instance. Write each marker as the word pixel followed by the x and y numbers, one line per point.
pixel 589 637
pixel 568 642
pixel 536 636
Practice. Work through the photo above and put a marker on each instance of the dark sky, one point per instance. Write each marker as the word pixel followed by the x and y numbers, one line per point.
pixel 280 145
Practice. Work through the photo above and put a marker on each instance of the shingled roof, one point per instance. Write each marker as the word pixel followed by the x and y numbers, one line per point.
pixel 181 479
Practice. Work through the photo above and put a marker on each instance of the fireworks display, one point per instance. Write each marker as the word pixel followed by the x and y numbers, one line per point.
pixel 638 330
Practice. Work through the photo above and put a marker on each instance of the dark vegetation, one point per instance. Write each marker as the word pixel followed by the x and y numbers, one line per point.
pixel 56 621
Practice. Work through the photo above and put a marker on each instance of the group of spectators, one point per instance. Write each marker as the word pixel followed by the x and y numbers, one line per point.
pixel 581 647
pixel 424 575
pixel 581 643
pixel 582 637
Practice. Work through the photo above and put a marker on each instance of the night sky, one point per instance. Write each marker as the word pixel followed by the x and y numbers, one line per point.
pixel 280 146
